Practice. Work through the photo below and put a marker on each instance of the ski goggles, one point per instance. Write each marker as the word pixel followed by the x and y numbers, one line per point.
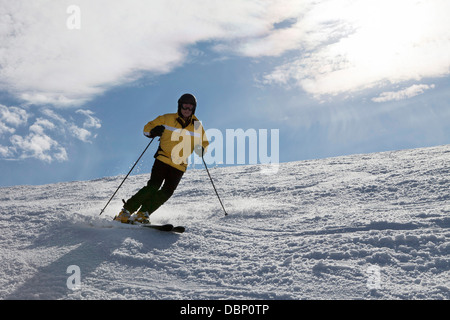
pixel 189 107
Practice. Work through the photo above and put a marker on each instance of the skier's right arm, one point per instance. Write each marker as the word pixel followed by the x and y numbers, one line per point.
pixel 151 130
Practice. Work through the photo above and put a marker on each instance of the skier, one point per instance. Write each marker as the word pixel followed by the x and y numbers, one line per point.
pixel 180 134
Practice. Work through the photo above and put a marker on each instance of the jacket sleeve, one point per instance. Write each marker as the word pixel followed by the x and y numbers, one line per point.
pixel 205 142
pixel 202 139
pixel 149 126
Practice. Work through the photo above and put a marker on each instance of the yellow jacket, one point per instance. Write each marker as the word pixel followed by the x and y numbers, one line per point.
pixel 178 139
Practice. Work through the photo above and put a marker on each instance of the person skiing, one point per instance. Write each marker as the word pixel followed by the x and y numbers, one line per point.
pixel 180 134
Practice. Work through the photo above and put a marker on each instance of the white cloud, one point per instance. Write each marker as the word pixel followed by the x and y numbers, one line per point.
pixel 76 63
pixel 355 45
pixel 39 146
pixel 40 125
pixel 335 46
pixel 91 121
pixel 46 137
pixel 10 118
pixel 80 133
pixel 44 62
pixel 54 116
pixel 406 93
pixel 5 152
pixel 5 129
pixel 36 144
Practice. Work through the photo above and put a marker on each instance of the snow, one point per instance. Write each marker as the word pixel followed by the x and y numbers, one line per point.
pixel 370 226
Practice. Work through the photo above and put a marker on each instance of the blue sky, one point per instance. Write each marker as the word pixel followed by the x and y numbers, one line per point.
pixel 80 79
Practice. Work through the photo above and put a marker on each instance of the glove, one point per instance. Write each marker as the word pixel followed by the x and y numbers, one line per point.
pixel 199 150
pixel 157 131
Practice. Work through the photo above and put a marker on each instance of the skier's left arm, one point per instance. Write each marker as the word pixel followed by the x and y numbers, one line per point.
pixel 201 145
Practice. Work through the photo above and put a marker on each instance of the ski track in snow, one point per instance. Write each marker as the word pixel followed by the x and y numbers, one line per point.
pixel 314 230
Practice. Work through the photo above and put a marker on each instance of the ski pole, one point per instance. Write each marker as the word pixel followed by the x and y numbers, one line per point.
pixel 214 186
pixel 127 175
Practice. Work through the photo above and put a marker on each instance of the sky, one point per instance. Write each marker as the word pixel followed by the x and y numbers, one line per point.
pixel 79 79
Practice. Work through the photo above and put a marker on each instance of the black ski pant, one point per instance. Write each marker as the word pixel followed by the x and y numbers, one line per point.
pixel 151 197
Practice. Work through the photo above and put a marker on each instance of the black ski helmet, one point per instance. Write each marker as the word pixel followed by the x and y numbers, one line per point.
pixel 187 98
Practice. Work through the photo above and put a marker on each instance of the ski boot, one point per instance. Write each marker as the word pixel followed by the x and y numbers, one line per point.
pixel 142 217
pixel 123 216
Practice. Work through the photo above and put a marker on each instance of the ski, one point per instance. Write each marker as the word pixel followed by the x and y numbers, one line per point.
pixel 178 229
pixel 164 227
pixel 161 227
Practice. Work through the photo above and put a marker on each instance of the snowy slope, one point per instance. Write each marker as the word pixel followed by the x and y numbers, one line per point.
pixel 373 226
